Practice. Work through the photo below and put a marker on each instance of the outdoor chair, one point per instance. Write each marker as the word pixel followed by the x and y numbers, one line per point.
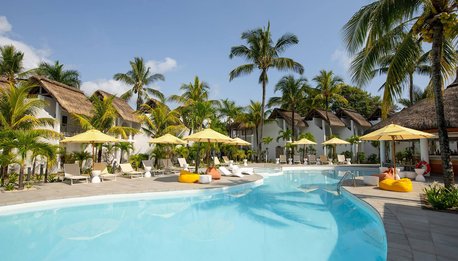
pixel 218 163
pixel 234 173
pixel 324 159
pixel 72 172
pixel 283 159
pixel 341 159
pixel 182 162
pixel 297 159
pixel 311 159
pixel 127 170
pixel 226 159
pixel 168 166
pixel 104 174
pixel 149 163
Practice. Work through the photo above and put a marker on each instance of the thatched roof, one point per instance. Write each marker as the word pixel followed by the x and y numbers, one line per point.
pixel 288 116
pixel 355 116
pixel 69 98
pixel 122 107
pixel 334 121
pixel 422 115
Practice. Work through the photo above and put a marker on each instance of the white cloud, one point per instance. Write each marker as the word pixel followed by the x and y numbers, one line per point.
pixel 111 86
pixel 164 66
pixel 5 26
pixel 342 58
pixel 32 56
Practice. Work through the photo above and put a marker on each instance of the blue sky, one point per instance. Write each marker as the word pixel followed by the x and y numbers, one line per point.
pixel 180 39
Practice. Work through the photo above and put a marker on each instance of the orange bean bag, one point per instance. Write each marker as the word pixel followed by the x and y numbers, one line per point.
pixel 188 177
pixel 402 185
pixel 214 173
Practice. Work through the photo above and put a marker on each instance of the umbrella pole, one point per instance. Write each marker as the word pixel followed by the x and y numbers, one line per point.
pixel 197 158
pixel 393 154
pixel 93 154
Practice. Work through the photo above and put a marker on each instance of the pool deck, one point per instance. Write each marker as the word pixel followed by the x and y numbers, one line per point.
pixel 122 185
pixel 412 233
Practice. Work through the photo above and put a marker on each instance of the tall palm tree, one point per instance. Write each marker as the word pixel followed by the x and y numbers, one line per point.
pixel 329 86
pixel 293 93
pixel 230 111
pixel 140 77
pixel 124 147
pixel 57 73
pixel 263 54
pixel 160 120
pixel 254 119
pixel 397 26
pixel 11 62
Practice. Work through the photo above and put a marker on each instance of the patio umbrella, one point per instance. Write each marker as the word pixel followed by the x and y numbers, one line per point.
pixel 239 142
pixel 92 137
pixel 168 139
pixel 304 142
pixel 208 136
pixel 395 132
pixel 335 142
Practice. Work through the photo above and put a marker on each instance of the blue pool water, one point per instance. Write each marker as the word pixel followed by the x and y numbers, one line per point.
pixel 295 216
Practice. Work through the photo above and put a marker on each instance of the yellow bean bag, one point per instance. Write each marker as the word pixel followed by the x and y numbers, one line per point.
pixel 402 185
pixel 188 177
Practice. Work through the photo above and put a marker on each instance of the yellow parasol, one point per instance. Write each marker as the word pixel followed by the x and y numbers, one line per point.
pixel 335 142
pixel 239 142
pixel 304 142
pixel 92 137
pixel 395 132
pixel 168 139
pixel 209 136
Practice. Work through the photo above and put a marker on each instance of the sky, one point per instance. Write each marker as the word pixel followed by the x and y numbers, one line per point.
pixel 180 39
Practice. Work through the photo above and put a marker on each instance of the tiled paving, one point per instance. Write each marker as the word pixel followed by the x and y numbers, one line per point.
pixel 122 185
pixel 412 233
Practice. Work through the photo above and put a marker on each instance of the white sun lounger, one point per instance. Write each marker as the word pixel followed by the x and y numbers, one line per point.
pixel 127 169
pixel 72 172
pixel 225 172
pixel 283 159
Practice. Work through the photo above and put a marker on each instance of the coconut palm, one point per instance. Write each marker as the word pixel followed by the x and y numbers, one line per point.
pixel 263 54
pixel 329 86
pixel 57 73
pixel 139 77
pixel 124 147
pixel 230 111
pixel 11 63
pixel 293 93
pixel 160 120
pixel 386 26
pixel 254 119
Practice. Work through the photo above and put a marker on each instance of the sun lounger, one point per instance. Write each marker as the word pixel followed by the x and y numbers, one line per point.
pixel 311 159
pixel 183 164
pixel 226 160
pixel 104 174
pixel 149 164
pixel 168 166
pixel 324 159
pixel 127 170
pixel 247 171
pixel 218 163
pixel 297 159
pixel 283 159
pixel 72 172
pixel 226 172
pixel 341 159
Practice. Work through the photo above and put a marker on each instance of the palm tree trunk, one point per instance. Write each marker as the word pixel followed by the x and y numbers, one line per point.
pixel 21 176
pixel 436 79
pixel 264 72
pixel 411 88
pixel 46 172
pixel 29 174
pixel 257 140
pixel 293 138
pixel 139 100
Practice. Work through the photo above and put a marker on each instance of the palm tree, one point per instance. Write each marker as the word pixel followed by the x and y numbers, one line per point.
pixel 230 111
pixel 309 136
pixel 417 95
pixel 57 73
pixel 254 119
pixel 293 93
pixel 11 63
pixel 124 147
pixel 397 26
pixel 329 86
pixel 103 118
pixel 140 77
pixel 263 55
pixel 160 120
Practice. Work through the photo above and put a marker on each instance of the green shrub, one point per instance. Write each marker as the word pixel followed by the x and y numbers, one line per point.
pixel 28 185
pixel 10 186
pixel 440 197
pixel 13 178
pixel 361 156
pixel 52 178
pixel 372 158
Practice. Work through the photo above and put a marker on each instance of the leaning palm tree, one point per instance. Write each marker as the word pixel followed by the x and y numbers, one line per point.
pixel 139 77
pixel 57 73
pixel 385 26
pixel 293 93
pixel 11 63
pixel 329 86
pixel 263 54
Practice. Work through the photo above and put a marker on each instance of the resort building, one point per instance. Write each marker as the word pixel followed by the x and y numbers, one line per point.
pixel 422 116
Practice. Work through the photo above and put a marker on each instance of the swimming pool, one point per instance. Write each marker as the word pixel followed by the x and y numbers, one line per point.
pixel 295 216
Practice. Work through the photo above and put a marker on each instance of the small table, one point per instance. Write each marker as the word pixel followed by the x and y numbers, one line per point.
pixel 205 179
pixel 95 176
pixel 147 172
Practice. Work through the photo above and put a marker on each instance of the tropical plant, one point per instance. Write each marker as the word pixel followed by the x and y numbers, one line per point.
pixel 396 27
pixel 81 156
pixel 124 147
pixel 357 99
pixel 11 63
pixel 253 119
pixel 263 54
pixel 354 139
pixel 329 86
pixel 417 96
pixel 57 73
pixel 293 94
pixel 441 197
pixel 230 111
pixel 139 77
pixel 310 137
pixel 136 160
pixel 160 120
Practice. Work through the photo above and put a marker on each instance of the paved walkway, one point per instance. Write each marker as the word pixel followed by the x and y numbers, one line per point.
pixel 122 185
pixel 412 233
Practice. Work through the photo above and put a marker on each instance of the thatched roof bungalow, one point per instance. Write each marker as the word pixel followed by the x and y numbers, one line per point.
pixel 334 121
pixel 354 116
pixel 288 117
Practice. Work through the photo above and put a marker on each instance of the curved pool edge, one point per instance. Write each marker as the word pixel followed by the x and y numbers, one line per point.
pixel 122 197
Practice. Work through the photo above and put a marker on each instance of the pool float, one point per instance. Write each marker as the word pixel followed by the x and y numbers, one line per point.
pixel 402 185
pixel 214 173
pixel 188 177
pixel 427 166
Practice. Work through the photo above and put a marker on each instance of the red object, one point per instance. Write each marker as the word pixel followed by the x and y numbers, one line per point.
pixel 214 173
pixel 424 163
